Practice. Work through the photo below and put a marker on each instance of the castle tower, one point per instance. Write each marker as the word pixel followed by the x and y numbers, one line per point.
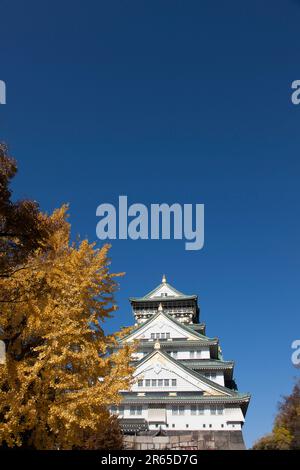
pixel 182 384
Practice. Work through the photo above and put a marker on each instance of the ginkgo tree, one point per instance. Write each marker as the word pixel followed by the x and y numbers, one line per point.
pixel 60 374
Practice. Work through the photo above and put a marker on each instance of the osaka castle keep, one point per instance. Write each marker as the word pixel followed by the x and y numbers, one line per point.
pixel 182 385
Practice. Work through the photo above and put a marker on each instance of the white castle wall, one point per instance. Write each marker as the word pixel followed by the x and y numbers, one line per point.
pixel 230 419
pixel 150 376
pixel 191 352
pixel 182 384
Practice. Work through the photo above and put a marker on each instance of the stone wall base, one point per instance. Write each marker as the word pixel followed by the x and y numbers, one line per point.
pixel 194 440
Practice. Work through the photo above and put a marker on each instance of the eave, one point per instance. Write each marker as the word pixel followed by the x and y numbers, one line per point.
pixel 162 299
pixel 177 345
pixel 199 327
pixel 207 364
pixel 128 397
pixel 200 363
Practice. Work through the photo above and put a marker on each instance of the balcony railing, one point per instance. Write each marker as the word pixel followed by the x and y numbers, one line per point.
pixel 186 311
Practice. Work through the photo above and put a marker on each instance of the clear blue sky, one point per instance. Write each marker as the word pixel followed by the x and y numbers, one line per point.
pixel 173 101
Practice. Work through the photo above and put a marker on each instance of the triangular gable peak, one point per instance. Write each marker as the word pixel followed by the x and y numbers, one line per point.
pixel 164 290
pixel 160 367
pixel 163 323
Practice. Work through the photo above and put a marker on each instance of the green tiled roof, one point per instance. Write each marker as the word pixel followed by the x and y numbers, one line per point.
pixel 164 399
pixel 174 344
pixel 160 398
pixel 128 396
pixel 179 295
pixel 207 364
pixel 197 326
pixel 163 299
pixel 199 363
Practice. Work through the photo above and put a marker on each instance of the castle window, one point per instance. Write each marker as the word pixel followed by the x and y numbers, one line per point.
pixel 160 335
pixel 197 410
pixel 117 410
pixel 211 375
pixel 178 410
pixel 158 383
pixel 216 410
pixel 136 410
